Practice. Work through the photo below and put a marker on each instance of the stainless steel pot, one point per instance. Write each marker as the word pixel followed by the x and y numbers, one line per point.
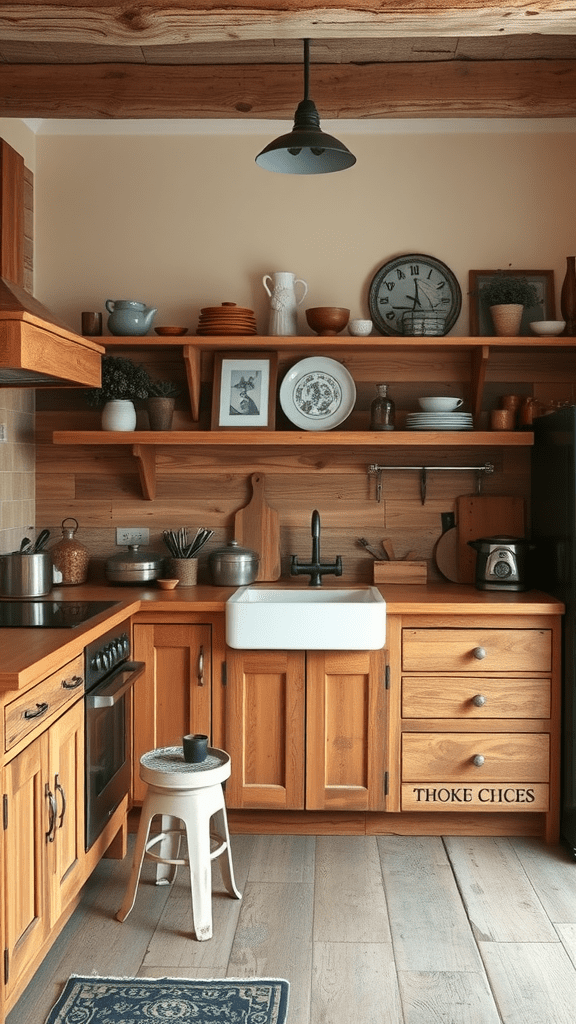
pixel 134 566
pixel 233 566
pixel 24 575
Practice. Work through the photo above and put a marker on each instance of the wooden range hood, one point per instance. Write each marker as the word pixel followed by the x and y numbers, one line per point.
pixel 36 348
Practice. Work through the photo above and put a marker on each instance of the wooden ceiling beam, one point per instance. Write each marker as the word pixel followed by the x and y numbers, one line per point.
pixel 139 23
pixel 436 89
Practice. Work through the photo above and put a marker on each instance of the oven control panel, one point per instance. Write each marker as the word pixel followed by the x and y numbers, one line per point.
pixel 106 653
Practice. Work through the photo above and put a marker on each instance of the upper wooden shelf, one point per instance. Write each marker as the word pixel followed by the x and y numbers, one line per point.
pixel 145 442
pixel 479 349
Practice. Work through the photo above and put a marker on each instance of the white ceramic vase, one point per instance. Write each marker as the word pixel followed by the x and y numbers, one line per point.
pixel 119 414
pixel 283 320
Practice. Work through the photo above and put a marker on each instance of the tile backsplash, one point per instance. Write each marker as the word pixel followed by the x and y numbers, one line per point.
pixel 17 466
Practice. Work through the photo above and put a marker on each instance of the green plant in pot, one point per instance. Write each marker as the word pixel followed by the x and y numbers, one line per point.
pixel 160 403
pixel 507 296
pixel 123 383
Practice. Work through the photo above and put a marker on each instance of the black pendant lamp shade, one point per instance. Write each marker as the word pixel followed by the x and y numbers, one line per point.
pixel 306 149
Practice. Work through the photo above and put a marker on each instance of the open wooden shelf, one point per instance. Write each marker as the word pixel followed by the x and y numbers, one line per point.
pixel 145 442
pixel 479 349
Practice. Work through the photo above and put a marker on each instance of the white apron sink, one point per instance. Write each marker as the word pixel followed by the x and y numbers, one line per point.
pixel 291 619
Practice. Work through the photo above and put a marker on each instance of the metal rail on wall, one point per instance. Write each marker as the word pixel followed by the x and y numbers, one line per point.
pixel 488 467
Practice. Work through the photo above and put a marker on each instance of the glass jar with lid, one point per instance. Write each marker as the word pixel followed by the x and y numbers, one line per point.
pixel 69 557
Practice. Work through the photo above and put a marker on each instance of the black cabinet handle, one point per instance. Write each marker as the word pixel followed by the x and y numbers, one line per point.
pixel 41 709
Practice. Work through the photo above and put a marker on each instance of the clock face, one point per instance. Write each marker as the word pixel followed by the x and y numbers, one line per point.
pixel 413 283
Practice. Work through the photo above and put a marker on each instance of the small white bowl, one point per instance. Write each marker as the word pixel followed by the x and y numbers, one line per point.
pixel 548 328
pixel 167 584
pixel 440 404
pixel 360 328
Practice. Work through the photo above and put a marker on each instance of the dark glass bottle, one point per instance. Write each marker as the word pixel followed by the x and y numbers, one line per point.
pixel 382 410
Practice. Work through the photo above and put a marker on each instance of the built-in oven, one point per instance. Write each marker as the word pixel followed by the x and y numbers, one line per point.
pixel 110 676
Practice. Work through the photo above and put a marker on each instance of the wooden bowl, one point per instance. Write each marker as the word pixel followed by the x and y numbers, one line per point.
pixel 327 320
pixel 167 584
pixel 174 332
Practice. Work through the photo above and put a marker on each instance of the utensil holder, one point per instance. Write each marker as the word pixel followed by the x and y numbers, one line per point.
pixel 185 570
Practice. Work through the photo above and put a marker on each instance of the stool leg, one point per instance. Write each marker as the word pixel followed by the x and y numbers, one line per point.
pixel 225 858
pixel 198 837
pixel 168 847
pixel 139 851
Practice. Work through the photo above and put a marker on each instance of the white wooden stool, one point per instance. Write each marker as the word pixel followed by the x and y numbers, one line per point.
pixel 193 794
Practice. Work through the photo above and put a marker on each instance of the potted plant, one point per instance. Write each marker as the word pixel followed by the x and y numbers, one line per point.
pixel 122 383
pixel 160 403
pixel 506 296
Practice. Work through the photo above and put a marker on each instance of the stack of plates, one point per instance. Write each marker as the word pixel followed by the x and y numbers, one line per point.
pixel 439 421
pixel 226 319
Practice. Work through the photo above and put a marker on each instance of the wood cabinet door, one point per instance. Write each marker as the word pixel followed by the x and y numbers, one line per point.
pixel 66 780
pixel 173 696
pixel 25 865
pixel 345 730
pixel 265 729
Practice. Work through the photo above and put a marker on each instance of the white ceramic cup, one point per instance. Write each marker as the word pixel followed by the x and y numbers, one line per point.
pixel 440 404
pixel 360 328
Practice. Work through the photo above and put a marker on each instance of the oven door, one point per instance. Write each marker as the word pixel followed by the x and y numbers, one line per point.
pixel 108 745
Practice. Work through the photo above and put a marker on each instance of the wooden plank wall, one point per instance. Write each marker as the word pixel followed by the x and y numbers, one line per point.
pixel 99 485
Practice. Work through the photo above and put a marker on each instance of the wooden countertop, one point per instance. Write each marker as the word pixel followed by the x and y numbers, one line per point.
pixel 28 655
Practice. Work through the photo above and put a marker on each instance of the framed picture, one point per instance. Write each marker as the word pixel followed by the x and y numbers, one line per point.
pixel 480 318
pixel 244 395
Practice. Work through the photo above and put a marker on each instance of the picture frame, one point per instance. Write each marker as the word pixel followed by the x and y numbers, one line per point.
pixel 244 391
pixel 480 320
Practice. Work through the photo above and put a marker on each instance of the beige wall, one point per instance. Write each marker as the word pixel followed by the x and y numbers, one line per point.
pixel 187 221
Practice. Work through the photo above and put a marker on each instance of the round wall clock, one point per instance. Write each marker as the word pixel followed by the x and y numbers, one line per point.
pixel 413 283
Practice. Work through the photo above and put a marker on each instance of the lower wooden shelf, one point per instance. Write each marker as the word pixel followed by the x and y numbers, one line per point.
pixel 144 442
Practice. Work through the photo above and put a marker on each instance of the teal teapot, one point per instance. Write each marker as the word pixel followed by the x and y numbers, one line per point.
pixel 128 317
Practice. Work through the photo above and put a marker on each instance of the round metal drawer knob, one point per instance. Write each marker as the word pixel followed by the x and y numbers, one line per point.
pixel 479 652
pixel 478 760
pixel 479 700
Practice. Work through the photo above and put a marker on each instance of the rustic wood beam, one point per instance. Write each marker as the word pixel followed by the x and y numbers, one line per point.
pixel 134 22
pixel 434 89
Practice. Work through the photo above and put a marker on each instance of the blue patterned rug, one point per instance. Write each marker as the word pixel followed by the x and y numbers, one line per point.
pixel 158 1000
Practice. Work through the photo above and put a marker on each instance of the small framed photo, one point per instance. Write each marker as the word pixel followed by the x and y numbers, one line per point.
pixel 244 395
pixel 480 319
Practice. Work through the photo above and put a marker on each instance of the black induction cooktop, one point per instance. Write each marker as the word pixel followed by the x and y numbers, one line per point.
pixel 49 614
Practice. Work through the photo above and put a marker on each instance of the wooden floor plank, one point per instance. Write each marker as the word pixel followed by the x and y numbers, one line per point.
pixel 552 873
pixel 274 939
pixel 290 858
pixel 349 901
pixel 457 997
pixel 567 935
pixel 430 930
pixel 354 981
pixel 499 898
pixel 533 982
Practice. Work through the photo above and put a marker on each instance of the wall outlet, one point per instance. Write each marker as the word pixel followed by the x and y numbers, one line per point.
pixel 132 535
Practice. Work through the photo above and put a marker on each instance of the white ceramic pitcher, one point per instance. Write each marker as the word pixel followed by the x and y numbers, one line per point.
pixel 283 303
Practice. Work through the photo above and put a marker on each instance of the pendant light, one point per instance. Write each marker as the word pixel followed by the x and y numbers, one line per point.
pixel 306 149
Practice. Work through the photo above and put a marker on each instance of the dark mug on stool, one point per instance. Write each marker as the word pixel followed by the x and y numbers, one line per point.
pixel 195 748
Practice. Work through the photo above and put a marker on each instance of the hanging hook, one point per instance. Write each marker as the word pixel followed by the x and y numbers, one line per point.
pixel 423 481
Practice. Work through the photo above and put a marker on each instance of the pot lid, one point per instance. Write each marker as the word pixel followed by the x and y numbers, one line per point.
pixel 233 554
pixel 134 558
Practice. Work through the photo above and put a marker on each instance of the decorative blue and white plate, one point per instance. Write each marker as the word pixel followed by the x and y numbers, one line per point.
pixel 318 393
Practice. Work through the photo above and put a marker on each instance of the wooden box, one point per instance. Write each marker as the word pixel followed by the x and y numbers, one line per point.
pixel 400 572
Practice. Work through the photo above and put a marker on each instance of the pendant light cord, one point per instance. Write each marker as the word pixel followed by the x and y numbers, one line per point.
pixel 306 67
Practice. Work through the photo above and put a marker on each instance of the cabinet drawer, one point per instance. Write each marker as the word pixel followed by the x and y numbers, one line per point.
pixel 41 703
pixel 474 697
pixel 476 650
pixel 435 757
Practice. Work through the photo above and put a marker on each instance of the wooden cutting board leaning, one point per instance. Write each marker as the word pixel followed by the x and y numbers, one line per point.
pixel 484 516
pixel 257 526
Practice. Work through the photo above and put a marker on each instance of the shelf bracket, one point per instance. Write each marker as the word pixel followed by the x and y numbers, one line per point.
pixel 146 456
pixel 479 364
pixel 487 468
pixel 192 357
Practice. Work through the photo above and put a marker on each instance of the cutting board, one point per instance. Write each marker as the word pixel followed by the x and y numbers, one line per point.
pixel 446 555
pixel 257 526
pixel 485 516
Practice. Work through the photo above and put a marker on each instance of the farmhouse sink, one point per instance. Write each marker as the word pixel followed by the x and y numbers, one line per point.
pixel 291 619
